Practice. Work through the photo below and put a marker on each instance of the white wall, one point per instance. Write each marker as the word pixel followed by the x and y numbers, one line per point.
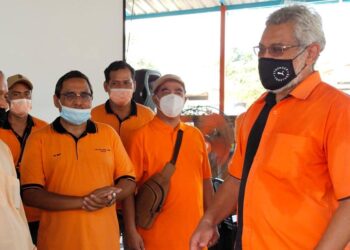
pixel 44 39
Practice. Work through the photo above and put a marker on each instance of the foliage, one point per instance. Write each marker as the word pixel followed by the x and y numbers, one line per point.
pixel 242 77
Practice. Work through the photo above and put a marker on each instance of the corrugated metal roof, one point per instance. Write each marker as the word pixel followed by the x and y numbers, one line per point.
pixel 136 9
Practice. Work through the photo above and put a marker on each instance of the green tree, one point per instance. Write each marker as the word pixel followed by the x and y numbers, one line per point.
pixel 242 77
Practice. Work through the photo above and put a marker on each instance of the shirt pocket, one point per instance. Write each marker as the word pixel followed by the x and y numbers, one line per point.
pixel 286 155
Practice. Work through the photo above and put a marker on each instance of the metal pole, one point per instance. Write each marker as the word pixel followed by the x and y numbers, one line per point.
pixel 222 58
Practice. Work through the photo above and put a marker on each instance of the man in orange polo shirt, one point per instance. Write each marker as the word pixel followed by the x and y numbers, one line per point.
pixel 75 170
pixel 190 189
pixel 14 232
pixel 18 125
pixel 290 173
pixel 120 111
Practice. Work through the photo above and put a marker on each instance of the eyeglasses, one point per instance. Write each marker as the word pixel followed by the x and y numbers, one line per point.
pixel 72 96
pixel 274 50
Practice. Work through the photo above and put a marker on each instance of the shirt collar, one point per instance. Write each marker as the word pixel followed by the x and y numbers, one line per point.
pixel 90 127
pixel 304 89
pixel 7 125
pixel 133 110
pixel 159 124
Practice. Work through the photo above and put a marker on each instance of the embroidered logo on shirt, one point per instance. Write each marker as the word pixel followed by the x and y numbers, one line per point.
pixel 103 150
pixel 56 155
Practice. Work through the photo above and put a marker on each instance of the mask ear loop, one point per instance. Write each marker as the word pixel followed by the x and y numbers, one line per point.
pixel 157 105
pixel 301 52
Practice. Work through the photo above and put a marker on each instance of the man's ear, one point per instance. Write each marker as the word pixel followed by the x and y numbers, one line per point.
pixel 7 98
pixel 155 99
pixel 134 85
pixel 56 102
pixel 105 86
pixel 313 53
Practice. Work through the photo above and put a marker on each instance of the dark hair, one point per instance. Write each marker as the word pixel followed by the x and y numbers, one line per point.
pixel 70 75
pixel 1 73
pixel 117 65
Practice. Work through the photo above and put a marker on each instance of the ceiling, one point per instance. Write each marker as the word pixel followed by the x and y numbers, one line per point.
pixel 137 9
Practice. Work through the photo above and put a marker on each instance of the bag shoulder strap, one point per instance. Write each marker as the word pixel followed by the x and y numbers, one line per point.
pixel 177 146
pixel 169 168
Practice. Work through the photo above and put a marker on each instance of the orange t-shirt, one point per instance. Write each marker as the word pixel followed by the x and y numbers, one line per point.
pixel 59 163
pixel 139 116
pixel 151 148
pixel 14 143
pixel 10 138
pixel 300 169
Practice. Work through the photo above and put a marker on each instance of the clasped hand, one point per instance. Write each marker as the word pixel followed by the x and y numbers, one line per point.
pixel 100 198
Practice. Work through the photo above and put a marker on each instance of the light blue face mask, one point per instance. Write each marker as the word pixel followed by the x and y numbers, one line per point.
pixel 75 116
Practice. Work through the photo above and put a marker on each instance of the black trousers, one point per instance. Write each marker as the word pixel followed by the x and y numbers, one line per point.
pixel 33 228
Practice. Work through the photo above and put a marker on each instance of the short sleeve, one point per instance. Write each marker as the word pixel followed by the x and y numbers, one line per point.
pixel 236 165
pixel 206 165
pixel 123 164
pixel 31 168
pixel 337 145
pixel 136 154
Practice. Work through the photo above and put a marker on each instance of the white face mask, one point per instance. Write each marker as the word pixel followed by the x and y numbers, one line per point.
pixel 21 107
pixel 171 105
pixel 120 96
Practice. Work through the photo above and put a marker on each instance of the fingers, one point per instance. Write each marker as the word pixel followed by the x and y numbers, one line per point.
pixel 204 236
pixel 134 241
pixel 195 244
pixel 142 247
pixel 100 198
pixel 112 198
pixel 92 203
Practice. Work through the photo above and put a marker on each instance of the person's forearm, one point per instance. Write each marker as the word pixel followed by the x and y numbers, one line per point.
pixel 127 187
pixel 43 199
pixel 224 202
pixel 337 234
pixel 128 209
pixel 208 193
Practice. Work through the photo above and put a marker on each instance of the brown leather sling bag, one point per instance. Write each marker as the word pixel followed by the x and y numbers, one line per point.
pixel 151 195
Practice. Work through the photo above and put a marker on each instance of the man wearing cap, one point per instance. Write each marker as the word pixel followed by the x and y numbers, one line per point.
pixel 14 232
pixel 120 111
pixel 190 189
pixel 16 128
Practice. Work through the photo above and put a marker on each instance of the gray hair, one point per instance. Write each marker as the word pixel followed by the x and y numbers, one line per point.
pixel 308 23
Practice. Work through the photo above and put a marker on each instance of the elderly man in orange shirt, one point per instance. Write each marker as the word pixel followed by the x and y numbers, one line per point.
pixel 190 190
pixel 290 173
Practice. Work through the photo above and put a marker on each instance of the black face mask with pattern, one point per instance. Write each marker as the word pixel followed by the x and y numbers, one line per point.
pixel 277 73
